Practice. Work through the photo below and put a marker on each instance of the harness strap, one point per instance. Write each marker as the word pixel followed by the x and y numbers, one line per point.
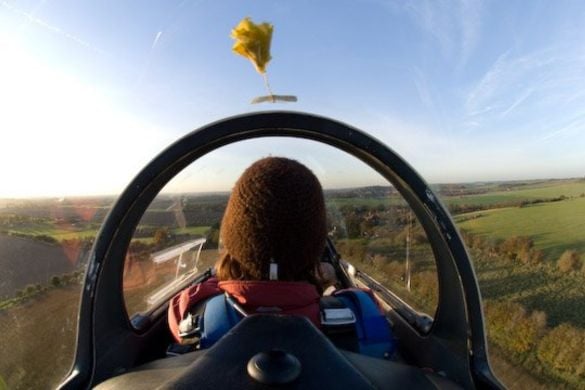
pixel 219 317
pixel 350 319
pixel 373 331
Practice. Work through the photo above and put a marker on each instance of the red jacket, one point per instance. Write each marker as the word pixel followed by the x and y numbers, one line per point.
pixel 296 298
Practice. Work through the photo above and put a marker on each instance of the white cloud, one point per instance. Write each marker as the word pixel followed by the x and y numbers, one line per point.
pixel 574 126
pixel 525 95
pixel 470 20
pixel 31 18
pixel 531 88
pixel 488 85
pixel 455 25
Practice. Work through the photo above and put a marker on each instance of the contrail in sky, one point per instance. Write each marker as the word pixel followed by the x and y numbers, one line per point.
pixel 146 66
pixel 158 34
pixel 39 22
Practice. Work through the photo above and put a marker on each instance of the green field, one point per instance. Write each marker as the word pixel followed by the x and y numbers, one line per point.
pixel 552 214
pixel 39 338
pixel 393 200
pixel 60 234
pixel 545 190
pixel 555 227
pixel 56 232
pixel 193 230
pixel 493 194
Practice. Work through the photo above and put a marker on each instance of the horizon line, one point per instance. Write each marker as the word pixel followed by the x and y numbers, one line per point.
pixel 226 192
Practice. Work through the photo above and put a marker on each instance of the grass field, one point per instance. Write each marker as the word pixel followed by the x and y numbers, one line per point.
pixel 393 200
pixel 42 261
pixel 514 377
pixel 496 194
pixel 555 227
pixel 38 352
pixel 60 234
pixel 553 189
pixel 56 232
pixel 194 230
pixel 38 336
pixel 542 288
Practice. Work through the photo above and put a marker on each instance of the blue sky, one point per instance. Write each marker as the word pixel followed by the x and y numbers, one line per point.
pixel 464 90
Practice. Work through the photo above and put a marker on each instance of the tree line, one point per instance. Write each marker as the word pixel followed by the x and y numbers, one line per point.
pixel 32 290
pixel 526 339
pixel 521 249
pixel 463 208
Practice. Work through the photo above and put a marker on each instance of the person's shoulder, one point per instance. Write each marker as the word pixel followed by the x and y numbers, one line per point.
pixel 207 286
pixel 360 293
pixel 181 303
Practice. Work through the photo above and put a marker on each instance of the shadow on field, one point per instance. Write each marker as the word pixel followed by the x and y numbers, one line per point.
pixel 25 261
pixel 514 284
pixel 482 268
pixel 577 245
pixel 558 309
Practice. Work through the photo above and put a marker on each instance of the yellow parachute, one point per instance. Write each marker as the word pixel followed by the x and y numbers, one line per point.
pixel 253 42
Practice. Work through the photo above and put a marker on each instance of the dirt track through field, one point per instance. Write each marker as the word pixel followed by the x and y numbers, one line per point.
pixel 25 261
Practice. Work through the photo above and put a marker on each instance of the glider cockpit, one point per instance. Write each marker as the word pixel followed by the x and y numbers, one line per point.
pixel 434 310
